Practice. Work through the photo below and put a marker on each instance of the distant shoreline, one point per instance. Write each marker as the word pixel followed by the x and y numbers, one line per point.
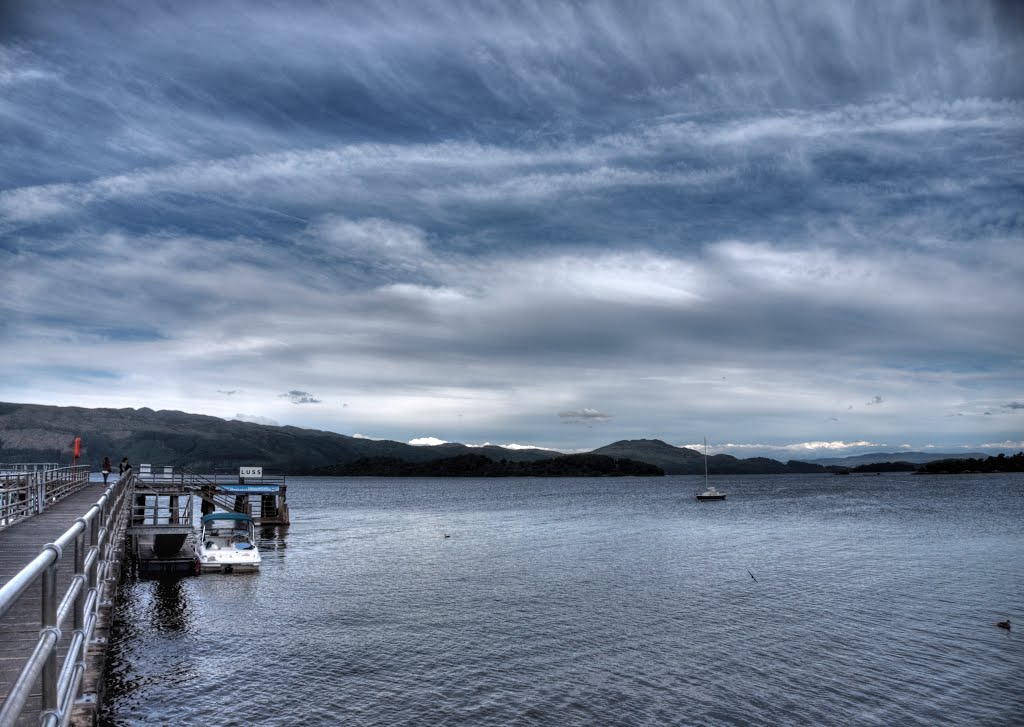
pixel 477 465
pixel 43 433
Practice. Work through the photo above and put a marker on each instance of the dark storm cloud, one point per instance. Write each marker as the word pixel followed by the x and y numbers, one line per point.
pixel 130 85
pixel 435 208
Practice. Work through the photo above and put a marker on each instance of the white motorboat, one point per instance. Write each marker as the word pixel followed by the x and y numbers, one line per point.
pixel 710 493
pixel 227 543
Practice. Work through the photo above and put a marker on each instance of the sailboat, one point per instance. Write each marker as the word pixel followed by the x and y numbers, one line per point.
pixel 710 493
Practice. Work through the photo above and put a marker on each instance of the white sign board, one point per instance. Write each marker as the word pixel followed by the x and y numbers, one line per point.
pixel 250 472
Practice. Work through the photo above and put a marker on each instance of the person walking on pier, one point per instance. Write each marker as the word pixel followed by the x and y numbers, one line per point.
pixel 106 470
pixel 126 467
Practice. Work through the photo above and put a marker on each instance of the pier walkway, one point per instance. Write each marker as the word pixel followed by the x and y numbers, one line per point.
pixel 59 565
pixel 61 544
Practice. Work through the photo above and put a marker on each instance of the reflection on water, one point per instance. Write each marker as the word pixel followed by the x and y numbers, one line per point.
pixel 170 609
pixel 161 641
pixel 271 538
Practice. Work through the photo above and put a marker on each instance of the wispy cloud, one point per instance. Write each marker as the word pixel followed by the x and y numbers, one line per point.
pixel 1009 444
pixel 300 397
pixel 507 446
pixel 590 415
pixel 803 448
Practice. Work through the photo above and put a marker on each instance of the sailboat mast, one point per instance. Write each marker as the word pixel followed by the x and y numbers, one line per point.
pixel 705 463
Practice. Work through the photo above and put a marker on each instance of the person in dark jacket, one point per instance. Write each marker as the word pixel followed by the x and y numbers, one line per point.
pixel 106 470
pixel 126 467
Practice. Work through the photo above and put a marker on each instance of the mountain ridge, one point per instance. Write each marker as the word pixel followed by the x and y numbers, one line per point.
pixel 43 433
pixel 685 461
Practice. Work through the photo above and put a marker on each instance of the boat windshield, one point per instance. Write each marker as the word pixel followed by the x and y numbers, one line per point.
pixel 228 527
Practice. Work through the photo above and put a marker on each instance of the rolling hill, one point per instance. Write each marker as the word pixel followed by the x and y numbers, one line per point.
pixel 684 461
pixel 39 433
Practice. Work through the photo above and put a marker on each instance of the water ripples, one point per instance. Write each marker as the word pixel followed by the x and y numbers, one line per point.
pixel 589 602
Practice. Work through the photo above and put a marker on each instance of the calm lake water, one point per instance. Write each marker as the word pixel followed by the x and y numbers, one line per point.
pixel 597 602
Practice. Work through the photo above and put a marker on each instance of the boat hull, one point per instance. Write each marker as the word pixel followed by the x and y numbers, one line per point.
pixel 228 567
pixel 709 498
pixel 226 561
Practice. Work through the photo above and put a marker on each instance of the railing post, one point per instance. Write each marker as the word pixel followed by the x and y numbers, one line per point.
pixel 79 615
pixel 40 482
pixel 94 539
pixel 94 526
pixel 49 696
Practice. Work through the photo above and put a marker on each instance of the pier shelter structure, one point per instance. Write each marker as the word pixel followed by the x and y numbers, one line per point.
pixel 260 495
pixel 61 541
pixel 162 522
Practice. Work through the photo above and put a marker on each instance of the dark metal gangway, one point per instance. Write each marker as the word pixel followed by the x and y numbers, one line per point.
pixel 260 495
pixel 60 545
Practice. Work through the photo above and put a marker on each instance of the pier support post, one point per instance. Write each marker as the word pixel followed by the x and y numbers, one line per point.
pixel 268 506
pixel 139 510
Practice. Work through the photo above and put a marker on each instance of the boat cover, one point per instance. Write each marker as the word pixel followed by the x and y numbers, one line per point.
pixel 226 516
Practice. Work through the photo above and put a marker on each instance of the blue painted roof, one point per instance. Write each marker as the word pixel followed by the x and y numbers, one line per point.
pixel 225 516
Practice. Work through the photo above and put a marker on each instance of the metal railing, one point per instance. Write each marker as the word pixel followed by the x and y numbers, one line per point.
pixel 224 490
pixel 26 489
pixel 157 508
pixel 94 541
pixel 160 479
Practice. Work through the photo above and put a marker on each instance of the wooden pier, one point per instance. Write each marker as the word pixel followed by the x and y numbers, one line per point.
pixel 59 567
pixel 61 544
pixel 61 541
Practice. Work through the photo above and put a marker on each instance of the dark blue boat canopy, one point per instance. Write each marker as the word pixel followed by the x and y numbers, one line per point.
pixel 226 516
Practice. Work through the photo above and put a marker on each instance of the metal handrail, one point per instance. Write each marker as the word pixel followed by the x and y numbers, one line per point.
pixel 27 489
pixel 103 525
pixel 207 486
pixel 153 506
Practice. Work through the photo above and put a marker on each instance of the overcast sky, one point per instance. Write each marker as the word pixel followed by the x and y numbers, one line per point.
pixel 794 228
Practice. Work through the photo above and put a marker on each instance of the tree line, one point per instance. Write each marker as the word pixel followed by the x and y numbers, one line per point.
pixel 477 465
pixel 999 463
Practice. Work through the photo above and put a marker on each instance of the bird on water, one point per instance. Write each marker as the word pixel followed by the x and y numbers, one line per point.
pixel 1004 624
